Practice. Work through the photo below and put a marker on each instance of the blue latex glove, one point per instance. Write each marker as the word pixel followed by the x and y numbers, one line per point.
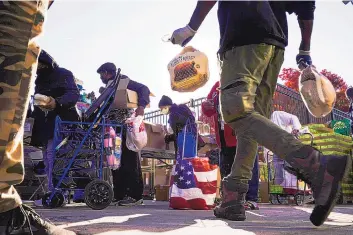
pixel 303 59
pixel 183 35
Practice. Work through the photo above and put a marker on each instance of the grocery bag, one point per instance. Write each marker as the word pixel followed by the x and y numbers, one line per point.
pixel 189 70
pixel 342 127
pixel 187 141
pixel 136 135
pixel 112 148
pixel 193 184
pixel 317 92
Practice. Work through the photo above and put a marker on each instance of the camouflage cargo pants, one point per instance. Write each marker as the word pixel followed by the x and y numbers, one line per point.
pixel 20 24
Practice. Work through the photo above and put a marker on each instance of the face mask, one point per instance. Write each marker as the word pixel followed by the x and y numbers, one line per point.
pixel 165 110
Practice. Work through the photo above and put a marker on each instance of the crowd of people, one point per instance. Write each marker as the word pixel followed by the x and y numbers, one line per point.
pixel 250 64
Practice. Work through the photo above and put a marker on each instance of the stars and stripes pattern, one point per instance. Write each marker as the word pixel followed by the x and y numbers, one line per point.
pixel 193 184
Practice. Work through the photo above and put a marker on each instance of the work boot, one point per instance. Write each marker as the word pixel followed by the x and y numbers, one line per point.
pixel 23 220
pixel 324 174
pixel 233 200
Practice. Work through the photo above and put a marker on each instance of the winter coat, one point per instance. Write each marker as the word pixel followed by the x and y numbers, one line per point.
pixel 179 116
pixel 60 84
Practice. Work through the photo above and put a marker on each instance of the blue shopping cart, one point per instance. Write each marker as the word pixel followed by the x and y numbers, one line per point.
pixel 80 154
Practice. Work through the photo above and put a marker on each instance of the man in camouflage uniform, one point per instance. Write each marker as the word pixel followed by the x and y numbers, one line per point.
pixel 20 24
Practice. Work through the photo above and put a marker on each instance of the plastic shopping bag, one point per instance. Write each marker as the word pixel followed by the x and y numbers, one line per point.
pixel 136 135
pixel 189 70
pixel 40 99
pixel 187 141
pixel 317 92
pixel 112 148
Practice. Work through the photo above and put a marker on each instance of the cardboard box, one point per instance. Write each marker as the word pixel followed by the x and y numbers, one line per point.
pixel 125 98
pixel 205 149
pixel 162 176
pixel 155 137
pixel 263 195
pixel 162 192
pixel 210 143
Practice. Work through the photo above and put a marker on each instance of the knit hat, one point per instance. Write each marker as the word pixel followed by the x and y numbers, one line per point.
pixel 45 58
pixel 165 101
pixel 109 67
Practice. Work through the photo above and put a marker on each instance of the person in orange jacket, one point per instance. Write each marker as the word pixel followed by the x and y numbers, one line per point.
pixel 227 142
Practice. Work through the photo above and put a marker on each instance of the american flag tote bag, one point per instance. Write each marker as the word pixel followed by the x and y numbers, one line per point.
pixel 193 184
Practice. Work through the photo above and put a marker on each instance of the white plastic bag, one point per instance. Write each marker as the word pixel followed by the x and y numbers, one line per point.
pixel 189 70
pixel 136 135
pixel 317 92
pixel 40 99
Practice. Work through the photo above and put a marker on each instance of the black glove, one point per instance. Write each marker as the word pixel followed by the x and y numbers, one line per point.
pixel 303 59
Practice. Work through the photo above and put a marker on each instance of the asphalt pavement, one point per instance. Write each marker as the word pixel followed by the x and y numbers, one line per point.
pixel 156 218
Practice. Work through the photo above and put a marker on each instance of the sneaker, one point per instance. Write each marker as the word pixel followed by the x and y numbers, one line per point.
pixel 38 203
pixel 232 206
pixel 23 220
pixel 251 205
pixel 130 202
pixel 324 174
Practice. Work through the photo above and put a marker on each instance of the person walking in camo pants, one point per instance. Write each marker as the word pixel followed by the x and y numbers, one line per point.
pixel 21 22
pixel 253 37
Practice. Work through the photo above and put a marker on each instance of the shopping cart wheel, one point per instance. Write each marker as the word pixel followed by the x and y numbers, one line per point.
pixel 98 194
pixel 282 199
pixel 273 199
pixel 58 200
pixel 299 199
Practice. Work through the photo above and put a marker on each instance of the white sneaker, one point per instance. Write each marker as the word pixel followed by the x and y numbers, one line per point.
pixel 38 202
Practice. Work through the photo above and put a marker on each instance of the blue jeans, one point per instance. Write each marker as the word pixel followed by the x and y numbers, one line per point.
pixel 226 162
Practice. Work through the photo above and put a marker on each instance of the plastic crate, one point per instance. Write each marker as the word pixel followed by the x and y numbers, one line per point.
pixel 276 189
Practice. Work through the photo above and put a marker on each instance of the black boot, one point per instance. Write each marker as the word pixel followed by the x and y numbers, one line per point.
pixel 232 206
pixel 23 220
pixel 324 174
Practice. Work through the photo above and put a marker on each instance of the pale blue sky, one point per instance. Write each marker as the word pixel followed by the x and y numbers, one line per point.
pixel 81 35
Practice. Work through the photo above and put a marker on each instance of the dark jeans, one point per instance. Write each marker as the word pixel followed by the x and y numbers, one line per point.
pixel 127 180
pixel 226 162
